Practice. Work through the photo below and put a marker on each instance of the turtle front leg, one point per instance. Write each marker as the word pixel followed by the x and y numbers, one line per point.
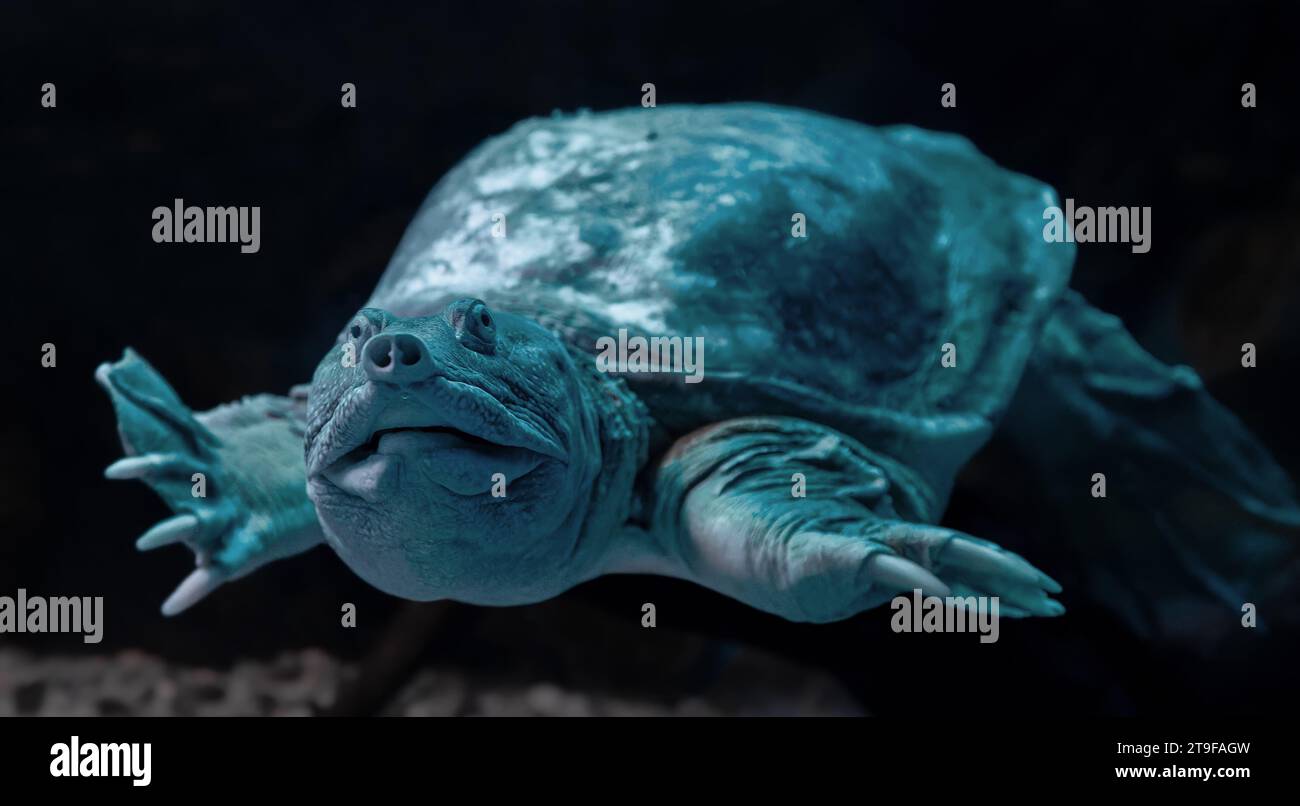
pixel 234 476
pixel 804 522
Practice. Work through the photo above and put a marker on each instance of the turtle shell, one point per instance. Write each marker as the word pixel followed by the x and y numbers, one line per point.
pixel 686 221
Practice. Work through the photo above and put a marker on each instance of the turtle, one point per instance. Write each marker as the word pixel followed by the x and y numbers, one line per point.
pixel 871 307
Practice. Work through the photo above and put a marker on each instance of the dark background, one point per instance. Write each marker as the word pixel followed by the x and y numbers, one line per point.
pixel 1125 105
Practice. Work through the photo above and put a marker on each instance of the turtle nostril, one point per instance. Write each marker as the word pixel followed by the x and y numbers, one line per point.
pixel 408 350
pixel 378 351
pixel 397 358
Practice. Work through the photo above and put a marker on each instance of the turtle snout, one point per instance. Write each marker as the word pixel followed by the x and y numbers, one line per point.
pixel 396 358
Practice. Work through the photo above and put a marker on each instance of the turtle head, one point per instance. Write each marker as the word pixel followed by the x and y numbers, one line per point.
pixel 451 456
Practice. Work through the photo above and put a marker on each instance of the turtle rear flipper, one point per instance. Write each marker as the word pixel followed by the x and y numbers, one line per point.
pixel 1197 520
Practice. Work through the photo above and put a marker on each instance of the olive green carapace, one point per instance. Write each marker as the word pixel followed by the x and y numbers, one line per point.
pixel 873 305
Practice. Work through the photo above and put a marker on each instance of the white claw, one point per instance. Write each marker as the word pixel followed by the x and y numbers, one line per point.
pixel 974 558
pixel 102 374
pixel 132 467
pixel 198 584
pixel 897 573
pixel 172 530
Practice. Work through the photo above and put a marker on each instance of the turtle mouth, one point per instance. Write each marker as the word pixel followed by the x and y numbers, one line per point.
pixel 372 445
pixel 460 462
pixel 444 425
pixel 441 436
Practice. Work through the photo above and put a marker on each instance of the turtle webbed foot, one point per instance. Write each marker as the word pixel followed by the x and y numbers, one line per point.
pixel 234 514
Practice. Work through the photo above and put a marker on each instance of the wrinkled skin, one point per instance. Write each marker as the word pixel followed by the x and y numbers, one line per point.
pixel 413 512
pixel 823 363
pixel 403 446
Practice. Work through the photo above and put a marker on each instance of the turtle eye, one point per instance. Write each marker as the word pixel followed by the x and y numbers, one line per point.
pixel 479 323
pixel 359 330
pixel 474 323
pixel 365 324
